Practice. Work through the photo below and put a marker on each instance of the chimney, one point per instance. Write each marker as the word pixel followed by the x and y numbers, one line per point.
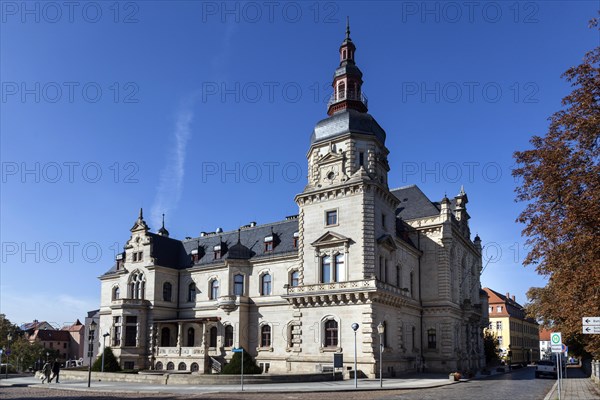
pixel 513 298
pixel 508 295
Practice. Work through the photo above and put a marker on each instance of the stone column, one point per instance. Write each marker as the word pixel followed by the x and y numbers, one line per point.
pixel 179 327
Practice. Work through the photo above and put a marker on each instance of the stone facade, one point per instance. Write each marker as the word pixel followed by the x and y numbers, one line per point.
pixel 288 292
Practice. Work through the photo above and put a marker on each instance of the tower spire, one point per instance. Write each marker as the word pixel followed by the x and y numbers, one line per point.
pixel 163 231
pixel 347 80
pixel 347 28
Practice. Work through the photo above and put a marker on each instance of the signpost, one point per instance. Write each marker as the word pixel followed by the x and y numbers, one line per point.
pixel 241 350
pixel 557 348
pixel 591 325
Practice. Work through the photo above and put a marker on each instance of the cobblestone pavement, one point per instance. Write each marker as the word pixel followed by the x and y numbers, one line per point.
pixel 518 385
pixel 52 394
pixel 576 386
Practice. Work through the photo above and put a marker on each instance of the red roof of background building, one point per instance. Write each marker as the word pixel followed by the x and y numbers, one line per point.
pixel 545 335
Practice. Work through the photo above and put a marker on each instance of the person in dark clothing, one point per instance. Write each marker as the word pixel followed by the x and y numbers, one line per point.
pixel 55 371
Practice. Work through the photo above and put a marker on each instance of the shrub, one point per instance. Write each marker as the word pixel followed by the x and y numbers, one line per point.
pixel 110 362
pixel 235 365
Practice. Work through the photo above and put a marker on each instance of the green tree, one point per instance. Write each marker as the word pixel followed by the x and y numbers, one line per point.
pixel 561 189
pixel 110 362
pixel 491 348
pixel 235 365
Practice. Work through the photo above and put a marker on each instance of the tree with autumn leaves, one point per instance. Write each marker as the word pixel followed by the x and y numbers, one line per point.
pixel 561 189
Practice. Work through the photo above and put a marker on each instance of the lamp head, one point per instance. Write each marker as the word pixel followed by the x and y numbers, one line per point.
pixel 355 327
pixel 381 328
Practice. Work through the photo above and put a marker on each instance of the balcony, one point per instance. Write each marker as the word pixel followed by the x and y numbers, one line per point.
pixel 349 292
pixel 180 352
pixel 129 303
pixel 228 303
pixel 351 95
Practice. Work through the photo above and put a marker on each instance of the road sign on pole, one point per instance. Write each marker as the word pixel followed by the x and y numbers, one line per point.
pixel 591 321
pixel 591 330
pixel 556 342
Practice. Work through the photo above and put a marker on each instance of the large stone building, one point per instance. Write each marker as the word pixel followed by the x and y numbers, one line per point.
pixel 518 335
pixel 290 291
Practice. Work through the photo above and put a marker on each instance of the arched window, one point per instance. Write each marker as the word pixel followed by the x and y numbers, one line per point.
pixel 137 285
pixel 194 367
pixel 182 366
pixel 214 289
pixel 192 292
pixel 170 366
pixel 116 293
pixel 265 289
pixel 167 290
pixel 228 336
pixel 265 336
pixel 290 335
pixel 213 337
pixel 158 366
pixel 341 94
pixel 238 285
pixel 190 337
pixel 294 278
pixel 326 269
pixel 339 266
pixel 331 333
pixel 165 337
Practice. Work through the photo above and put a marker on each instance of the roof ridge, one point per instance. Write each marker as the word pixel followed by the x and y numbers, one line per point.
pixel 212 234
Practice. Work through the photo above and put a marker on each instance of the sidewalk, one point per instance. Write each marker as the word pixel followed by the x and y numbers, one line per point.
pixel 577 386
pixel 422 382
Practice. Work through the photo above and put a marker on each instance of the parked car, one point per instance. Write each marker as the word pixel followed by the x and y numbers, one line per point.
pixel 545 368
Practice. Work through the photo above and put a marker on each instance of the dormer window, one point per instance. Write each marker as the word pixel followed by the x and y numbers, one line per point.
pixel 217 251
pixel 195 256
pixel 120 261
pixel 296 235
pixel 269 243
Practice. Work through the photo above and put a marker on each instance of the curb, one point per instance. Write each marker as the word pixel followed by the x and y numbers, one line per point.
pixel 551 392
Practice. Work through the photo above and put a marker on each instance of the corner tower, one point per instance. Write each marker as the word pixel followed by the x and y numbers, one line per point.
pixel 346 206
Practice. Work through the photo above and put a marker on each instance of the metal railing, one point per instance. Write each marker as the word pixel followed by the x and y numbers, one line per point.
pixel 342 95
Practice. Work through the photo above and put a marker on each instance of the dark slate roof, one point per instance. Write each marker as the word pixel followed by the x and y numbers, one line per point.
pixel 251 246
pixel 344 122
pixel 167 252
pixel 414 203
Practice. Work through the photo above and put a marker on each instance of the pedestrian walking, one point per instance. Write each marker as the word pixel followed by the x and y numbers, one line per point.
pixel 46 371
pixel 55 371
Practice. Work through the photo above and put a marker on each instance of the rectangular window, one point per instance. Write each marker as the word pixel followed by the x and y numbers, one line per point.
pixel 295 242
pixel 268 246
pixel 431 339
pixel 128 365
pixel 140 256
pixel 134 257
pixel 498 308
pixel 383 220
pixel 131 331
pixel 499 325
pixel 490 308
pixel 500 341
pixel 412 284
pixel 331 217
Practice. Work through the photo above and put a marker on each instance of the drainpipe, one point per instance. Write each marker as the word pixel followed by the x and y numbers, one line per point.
pixel 420 300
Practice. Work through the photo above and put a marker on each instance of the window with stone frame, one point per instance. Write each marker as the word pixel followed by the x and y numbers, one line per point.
pixel 265 285
pixel 165 337
pixel 431 339
pixel 331 333
pixel 265 336
pixel 131 331
pixel 295 278
pixel 238 285
pixel 331 218
pixel 214 289
pixel 228 336
pixel 116 293
pixel 191 297
pixel 167 291
pixel 116 331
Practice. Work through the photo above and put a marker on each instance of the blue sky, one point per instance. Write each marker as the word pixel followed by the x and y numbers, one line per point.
pixel 204 110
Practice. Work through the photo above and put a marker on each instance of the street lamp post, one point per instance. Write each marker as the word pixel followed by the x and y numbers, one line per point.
pixel 381 330
pixel 9 338
pixel 104 348
pixel 355 328
pixel 91 331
